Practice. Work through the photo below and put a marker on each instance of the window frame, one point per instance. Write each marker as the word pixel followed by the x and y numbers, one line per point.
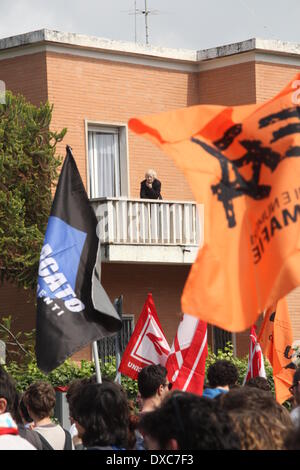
pixel 108 342
pixel 122 130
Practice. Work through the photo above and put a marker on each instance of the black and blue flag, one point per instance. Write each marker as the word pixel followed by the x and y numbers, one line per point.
pixel 73 309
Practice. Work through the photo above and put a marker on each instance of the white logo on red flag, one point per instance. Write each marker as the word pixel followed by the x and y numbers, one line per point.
pixel 151 343
pixel 186 362
pixel 147 344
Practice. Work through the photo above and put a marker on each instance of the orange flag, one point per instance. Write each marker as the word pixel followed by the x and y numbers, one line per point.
pixel 276 338
pixel 243 164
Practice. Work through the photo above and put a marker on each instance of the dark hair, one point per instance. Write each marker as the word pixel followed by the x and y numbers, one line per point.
pixel 16 412
pixel 150 378
pixel 102 411
pixel 259 430
pixel 75 387
pixel 222 373
pixel 8 390
pixel 71 394
pixel 133 423
pixel 197 423
pixel 292 441
pixel 253 399
pixel 259 382
pixel 40 399
pixel 24 411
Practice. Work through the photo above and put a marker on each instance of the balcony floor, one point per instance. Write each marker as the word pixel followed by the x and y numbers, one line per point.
pixel 152 254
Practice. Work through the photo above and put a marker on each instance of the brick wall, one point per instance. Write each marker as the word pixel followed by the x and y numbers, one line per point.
pixel 20 304
pixel 104 91
pixel 110 92
pixel 228 86
pixel 165 283
pixel 26 75
pixel 271 78
pixel 293 300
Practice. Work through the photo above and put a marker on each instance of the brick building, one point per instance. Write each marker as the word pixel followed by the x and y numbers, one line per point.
pixel 96 85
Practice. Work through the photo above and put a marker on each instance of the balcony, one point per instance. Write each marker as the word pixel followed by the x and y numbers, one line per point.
pixel 148 231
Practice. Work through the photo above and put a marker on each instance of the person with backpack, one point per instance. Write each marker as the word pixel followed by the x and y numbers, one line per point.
pixel 40 400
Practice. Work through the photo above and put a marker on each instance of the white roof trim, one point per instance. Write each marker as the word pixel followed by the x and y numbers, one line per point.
pixel 91 42
pixel 259 50
pixel 251 56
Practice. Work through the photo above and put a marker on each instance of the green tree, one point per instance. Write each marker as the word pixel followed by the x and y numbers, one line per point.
pixel 28 168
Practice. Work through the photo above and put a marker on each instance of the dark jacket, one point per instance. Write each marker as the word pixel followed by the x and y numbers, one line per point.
pixel 150 193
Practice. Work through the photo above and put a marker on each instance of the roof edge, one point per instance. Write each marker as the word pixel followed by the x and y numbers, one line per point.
pixel 96 43
pixel 82 41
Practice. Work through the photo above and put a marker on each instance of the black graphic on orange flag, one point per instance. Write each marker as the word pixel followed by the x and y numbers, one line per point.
pixel 243 164
pixel 275 339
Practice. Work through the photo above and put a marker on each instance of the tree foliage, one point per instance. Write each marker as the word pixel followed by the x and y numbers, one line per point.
pixel 28 168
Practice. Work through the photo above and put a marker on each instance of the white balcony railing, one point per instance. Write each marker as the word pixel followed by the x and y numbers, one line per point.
pixel 148 222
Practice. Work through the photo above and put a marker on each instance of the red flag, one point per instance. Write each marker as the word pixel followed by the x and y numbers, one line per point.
pixel 147 344
pixel 186 362
pixel 276 338
pixel 256 367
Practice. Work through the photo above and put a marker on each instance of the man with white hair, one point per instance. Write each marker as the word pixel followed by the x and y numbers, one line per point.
pixel 150 186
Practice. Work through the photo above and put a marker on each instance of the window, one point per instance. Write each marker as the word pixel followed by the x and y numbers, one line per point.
pixel 220 339
pixel 107 345
pixel 107 158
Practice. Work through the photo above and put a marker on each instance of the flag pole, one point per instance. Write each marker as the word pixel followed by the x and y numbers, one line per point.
pixel 118 304
pixel 96 361
pixel 249 364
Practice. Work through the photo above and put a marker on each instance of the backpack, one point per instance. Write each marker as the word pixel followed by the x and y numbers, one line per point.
pixel 47 446
pixel 31 436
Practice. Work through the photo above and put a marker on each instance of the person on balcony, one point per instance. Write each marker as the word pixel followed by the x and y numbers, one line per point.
pixel 150 186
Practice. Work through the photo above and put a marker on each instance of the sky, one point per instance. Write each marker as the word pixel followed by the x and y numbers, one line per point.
pixel 180 24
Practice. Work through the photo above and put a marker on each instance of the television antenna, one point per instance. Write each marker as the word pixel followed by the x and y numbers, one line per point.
pixel 146 12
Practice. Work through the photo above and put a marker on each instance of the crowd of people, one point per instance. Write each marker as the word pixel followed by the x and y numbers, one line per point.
pixel 225 417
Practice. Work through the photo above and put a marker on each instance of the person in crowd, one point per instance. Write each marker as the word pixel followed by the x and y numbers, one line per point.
pixel 185 421
pixel 253 398
pixel 292 441
pixel 259 430
pixel 101 415
pixel 153 386
pixel 150 186
pixel 139 401
pixel 72 391
pixel 26 419
pixel 24 423
pixel 222 375
pixel 295 390
pixel 133 434
pixel 9 433
pixel 260 421
pixel 40 400
pixel 259 382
